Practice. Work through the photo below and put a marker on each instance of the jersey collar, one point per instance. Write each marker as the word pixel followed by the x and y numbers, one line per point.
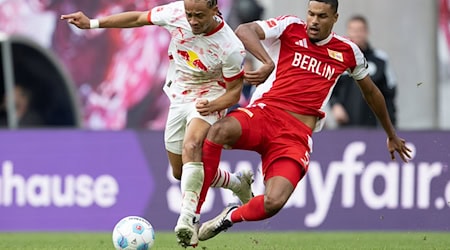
pixel 326 40
pixel 219 26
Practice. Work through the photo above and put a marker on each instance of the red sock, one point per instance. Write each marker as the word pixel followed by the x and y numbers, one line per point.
pixel 211 159
pixel 252 211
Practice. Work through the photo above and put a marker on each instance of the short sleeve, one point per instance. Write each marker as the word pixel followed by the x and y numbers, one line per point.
pixel 166 14
pixel 273 28
pixel 233 65
pixel 361 69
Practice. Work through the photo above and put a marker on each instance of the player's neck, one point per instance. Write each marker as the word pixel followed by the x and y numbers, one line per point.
pixel 217 23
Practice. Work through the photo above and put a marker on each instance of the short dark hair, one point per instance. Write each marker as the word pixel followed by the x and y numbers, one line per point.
pixel 211 3
pixel 334 3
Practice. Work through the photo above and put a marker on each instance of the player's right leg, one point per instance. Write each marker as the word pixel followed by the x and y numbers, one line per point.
pixel 281 180
pixel 187 226
pixel 220 134
pixel 191 181
pixel 238 130
pixel 174 134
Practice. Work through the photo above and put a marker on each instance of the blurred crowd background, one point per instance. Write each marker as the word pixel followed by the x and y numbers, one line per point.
pixel 112 79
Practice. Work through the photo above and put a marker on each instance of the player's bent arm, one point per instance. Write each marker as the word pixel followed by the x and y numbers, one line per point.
pixel 251 35
pixel 230 97
pixel 377 103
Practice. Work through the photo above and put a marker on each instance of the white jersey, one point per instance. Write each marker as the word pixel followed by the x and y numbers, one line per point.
pixel 200 64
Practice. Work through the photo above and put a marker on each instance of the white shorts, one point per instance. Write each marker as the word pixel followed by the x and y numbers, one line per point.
pixel 180 114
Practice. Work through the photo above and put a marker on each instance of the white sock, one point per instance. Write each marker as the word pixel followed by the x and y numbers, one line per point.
pixel 191 186
pixel 225 179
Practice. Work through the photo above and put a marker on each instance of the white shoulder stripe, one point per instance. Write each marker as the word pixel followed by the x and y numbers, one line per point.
pixel 360 71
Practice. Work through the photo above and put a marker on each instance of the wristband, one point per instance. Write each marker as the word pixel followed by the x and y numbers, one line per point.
pixel 94 23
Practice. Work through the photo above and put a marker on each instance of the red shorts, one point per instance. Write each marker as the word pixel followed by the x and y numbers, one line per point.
pixel 287 168
pixel 274 134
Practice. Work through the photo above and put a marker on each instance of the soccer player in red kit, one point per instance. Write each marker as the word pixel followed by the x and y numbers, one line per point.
pixel 301 62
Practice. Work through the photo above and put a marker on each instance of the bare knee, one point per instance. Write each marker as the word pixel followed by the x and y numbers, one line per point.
pixel 192 146
pixel 225 131
pixel 176 163
pixel 192 150
pixel 273 204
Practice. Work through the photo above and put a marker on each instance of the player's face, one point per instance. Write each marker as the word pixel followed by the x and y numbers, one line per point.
pixel 321 19
pixel 358 33
pixel 200 16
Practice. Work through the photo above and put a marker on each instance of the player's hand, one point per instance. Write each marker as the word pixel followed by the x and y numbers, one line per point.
pixel 203 107
pixel 397 144
pixel 78 19
pixel 260 75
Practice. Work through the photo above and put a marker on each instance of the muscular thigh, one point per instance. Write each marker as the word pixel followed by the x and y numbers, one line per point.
pixel 281 179
pixel 288 138
pixel 287 168
pixel 252 123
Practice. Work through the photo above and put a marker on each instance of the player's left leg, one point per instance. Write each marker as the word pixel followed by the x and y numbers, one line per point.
pixel 281 179
pixel 193 176
pixel 176 163
pixel 191 182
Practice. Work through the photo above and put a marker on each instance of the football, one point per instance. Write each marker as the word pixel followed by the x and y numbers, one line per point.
pixel 133 232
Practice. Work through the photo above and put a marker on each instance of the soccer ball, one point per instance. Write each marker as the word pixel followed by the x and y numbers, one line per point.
pixel 133 232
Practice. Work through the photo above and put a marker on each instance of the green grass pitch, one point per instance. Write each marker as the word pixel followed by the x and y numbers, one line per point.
pixel 239 240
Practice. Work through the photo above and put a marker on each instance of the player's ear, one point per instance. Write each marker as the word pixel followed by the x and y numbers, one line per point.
pixel 336 17
pixel 216 11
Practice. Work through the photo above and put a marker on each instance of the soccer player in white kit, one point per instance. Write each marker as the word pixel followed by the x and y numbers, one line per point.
pixel 204 79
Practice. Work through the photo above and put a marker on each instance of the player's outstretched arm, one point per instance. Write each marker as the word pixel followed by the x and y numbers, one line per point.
pixel 375 100
pixel 122 20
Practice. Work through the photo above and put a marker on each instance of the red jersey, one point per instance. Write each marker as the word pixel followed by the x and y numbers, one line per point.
pixel 305 72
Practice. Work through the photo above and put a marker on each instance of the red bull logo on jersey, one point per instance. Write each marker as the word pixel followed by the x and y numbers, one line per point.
pixel 313 65
pixel 192 59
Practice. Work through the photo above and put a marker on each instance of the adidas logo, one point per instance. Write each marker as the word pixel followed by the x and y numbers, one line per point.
pixel 302 43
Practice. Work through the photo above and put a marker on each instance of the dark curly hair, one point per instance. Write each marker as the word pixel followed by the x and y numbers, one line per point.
pixel 211 3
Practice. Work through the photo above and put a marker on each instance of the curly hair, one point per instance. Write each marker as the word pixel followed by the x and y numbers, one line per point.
pixel 211 3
